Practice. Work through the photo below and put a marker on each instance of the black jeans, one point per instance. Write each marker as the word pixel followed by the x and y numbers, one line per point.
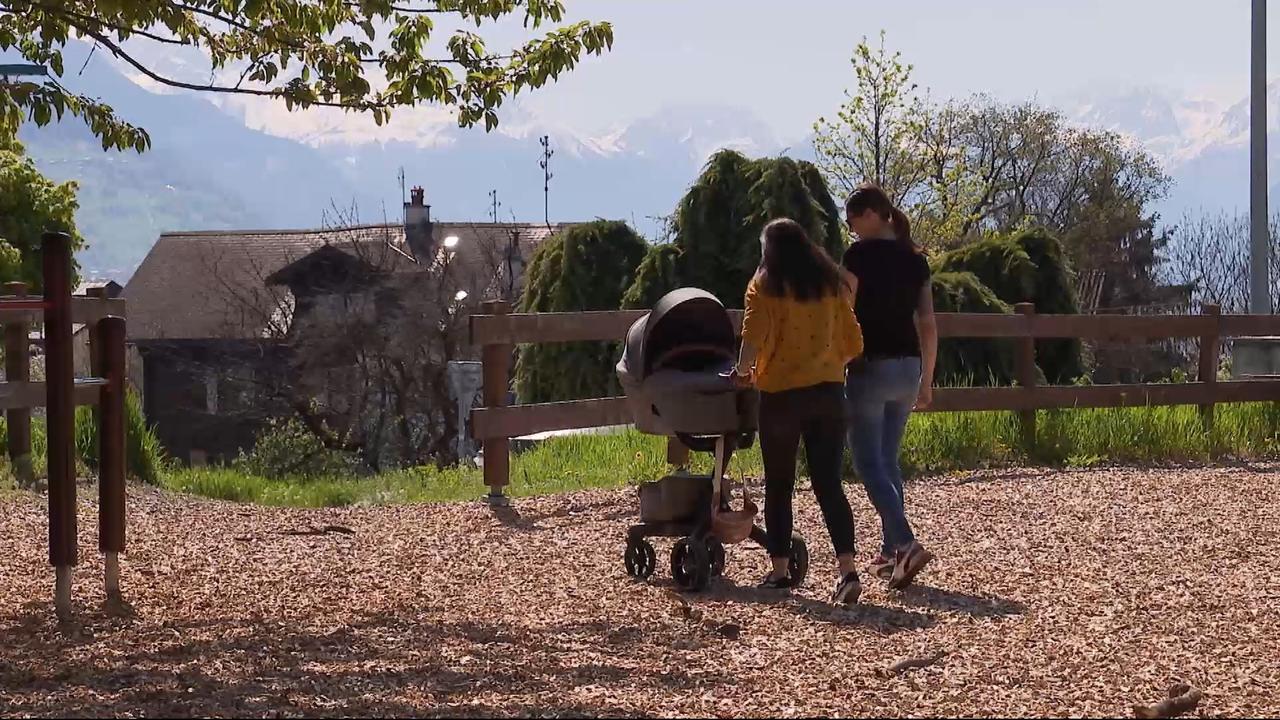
pixel 816 414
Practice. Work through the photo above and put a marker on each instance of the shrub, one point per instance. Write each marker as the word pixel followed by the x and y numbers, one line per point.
pixel 284 449
pixel 970 361
pixel 1027 267
pixel 146 458
pixel 586 267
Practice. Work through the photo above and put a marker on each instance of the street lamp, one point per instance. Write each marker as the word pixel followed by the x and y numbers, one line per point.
pixel 451 242
pixel 1258 356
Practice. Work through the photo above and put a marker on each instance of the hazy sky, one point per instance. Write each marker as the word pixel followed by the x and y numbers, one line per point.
pixel 788 59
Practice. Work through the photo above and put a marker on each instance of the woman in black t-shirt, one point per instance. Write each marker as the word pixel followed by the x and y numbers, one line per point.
pixel 894 305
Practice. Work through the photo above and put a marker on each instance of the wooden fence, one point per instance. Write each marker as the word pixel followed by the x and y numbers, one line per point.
pixel 497 331
pixel 59 394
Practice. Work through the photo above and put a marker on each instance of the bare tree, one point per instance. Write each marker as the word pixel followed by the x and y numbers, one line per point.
pixel 1210 252
pixel 356 336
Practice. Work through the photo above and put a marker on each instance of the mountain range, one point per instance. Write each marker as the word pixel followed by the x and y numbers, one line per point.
pixel 1203 145
pixel 216 166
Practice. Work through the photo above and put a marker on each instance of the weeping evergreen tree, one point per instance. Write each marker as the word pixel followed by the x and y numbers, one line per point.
pixel 717 226
pixel 970 361
pixel 834 238
pixel 585 267
pixel 1061 359
pixel 1026 267
pixel 655 276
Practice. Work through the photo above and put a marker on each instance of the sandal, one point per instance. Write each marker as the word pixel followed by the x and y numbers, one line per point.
pixel 771 582
pixel 848 590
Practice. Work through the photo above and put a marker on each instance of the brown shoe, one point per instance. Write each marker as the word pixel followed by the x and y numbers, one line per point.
pixel 908 562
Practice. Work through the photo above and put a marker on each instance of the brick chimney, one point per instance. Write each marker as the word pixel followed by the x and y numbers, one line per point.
pixel 417 226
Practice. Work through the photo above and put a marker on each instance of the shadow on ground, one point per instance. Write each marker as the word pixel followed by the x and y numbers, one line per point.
pixel 244 667
pixel 879 618
pixel 950 601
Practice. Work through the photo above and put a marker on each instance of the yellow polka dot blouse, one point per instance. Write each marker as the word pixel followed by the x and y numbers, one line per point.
pixel 800 343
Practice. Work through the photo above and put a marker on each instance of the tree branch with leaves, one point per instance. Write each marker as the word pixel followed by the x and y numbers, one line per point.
pixel 369 56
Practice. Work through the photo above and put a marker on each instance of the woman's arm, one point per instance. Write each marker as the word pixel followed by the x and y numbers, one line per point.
pixel 852 331
pixel 850 282
pixel 927 329
pixel 755 334
pixel 744 371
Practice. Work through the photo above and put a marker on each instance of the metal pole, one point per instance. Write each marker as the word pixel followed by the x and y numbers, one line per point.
pixel 1259 240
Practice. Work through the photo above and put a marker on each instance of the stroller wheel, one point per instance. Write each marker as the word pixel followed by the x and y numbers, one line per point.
pixel 715 549
pixel 691 564
pixel 640 559
pixel 799 564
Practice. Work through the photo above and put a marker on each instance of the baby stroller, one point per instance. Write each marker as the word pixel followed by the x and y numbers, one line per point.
pixel 676 373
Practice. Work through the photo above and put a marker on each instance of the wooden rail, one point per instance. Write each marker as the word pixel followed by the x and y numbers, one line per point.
pixel 19 308
pixel 498 331
pixel 59 394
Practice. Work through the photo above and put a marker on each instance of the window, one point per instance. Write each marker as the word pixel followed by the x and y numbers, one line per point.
pixel 237 392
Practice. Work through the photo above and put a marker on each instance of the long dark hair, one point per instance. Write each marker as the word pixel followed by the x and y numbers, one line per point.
pixel 792 264
pixel 869 196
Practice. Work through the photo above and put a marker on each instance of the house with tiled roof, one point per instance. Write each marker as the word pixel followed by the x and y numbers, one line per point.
pixel 211 313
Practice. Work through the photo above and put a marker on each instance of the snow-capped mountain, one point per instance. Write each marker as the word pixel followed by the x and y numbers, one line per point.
pixel 1203 144
pixel 1170 126
pixel 241 164
pixel 250 164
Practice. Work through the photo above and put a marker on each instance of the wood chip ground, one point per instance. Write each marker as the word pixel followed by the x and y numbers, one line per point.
pixel 1054 594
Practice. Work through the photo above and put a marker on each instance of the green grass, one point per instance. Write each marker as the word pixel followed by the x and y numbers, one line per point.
pixel 145 459
pixel 957 441
pixel 934 443
pixel 555 466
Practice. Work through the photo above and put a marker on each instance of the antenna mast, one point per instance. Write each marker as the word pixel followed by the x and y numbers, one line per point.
pixel 545 164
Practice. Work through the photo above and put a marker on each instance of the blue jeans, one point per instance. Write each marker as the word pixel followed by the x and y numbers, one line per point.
pixel 879 395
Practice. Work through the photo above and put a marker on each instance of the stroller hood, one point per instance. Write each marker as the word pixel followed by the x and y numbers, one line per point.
pixel 674 369
pixel 688 319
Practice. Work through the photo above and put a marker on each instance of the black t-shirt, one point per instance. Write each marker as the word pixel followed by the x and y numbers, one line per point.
pixel 890 276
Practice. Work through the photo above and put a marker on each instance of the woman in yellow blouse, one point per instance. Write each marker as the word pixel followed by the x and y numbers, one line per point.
pixel 798 333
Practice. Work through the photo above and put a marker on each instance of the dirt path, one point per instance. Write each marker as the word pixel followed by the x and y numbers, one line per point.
pixel 1055 594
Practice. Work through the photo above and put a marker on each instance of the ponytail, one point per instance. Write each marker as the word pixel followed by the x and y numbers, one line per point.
pixel 902 227
pixel 869 196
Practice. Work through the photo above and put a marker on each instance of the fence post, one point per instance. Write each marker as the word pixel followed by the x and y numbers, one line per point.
pixel 55 249
pixel 496 368
pixel 1210 350
pixel 95 339
pixel 1025 368
pixel 17 368
pixel 94 331
pixel 110 361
